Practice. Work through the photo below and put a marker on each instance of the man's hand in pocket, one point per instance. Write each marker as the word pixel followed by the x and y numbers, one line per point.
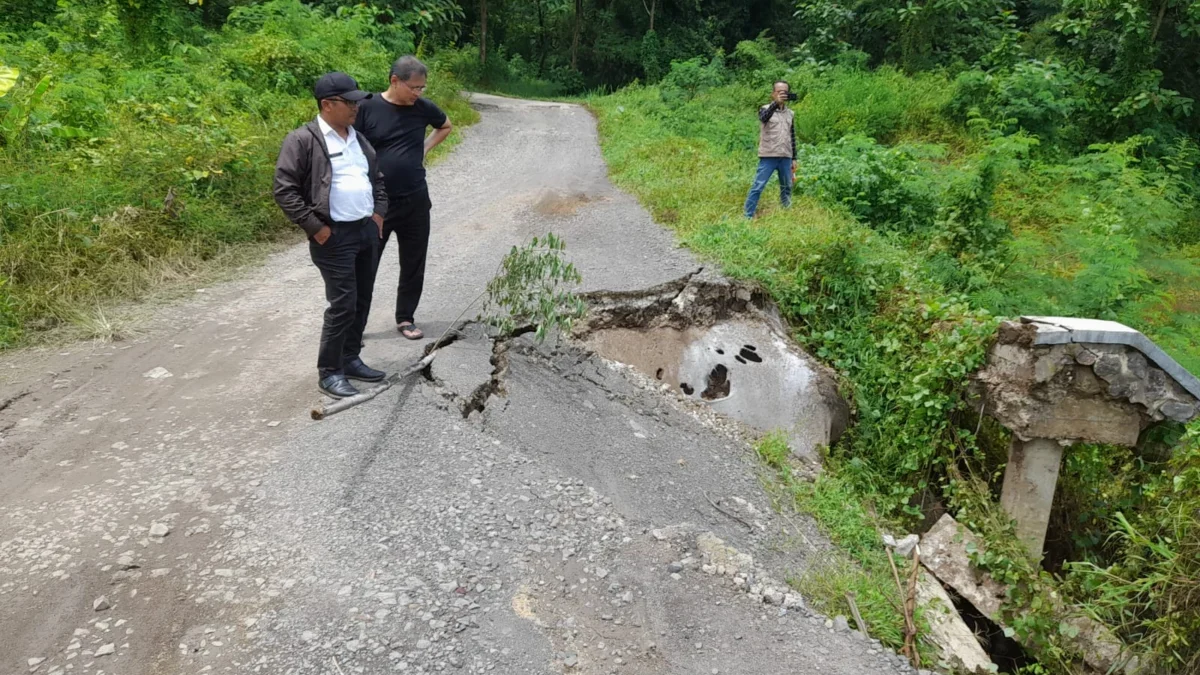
pixel 322 235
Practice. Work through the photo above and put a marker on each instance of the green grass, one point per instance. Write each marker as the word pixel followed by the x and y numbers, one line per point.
pixel 858 568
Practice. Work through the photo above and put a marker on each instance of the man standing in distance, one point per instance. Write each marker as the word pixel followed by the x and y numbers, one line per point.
pixel 395 123
pixel 327 181
pixel 776 147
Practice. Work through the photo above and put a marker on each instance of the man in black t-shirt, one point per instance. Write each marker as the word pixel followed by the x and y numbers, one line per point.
pixel 394 123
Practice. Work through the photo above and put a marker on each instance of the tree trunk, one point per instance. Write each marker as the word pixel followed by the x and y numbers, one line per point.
pixel 541 38
pixel 1162 12
pixel 575 39
pixel 650 9
pixel 483 32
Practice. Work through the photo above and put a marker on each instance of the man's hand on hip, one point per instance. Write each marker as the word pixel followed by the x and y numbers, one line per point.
pixel 378 222
pixel 322 235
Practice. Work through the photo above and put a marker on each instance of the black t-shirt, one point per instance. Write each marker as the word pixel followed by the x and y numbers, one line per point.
pixel 397 133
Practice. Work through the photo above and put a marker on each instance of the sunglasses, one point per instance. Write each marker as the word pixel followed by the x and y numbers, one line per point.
pixel 352 104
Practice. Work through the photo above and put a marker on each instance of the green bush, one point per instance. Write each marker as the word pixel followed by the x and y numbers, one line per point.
pixel 1034 96
pixel 509 75
pixel 883 104
pixel 688 78
pixel 887 188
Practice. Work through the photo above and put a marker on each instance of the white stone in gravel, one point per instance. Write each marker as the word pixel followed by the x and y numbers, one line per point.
pixel 160 530
pixel 35 662
pixel 106 649
pixel 158 373
pixel 101 603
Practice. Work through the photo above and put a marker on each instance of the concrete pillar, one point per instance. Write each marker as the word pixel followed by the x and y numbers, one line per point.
pixel 1028 492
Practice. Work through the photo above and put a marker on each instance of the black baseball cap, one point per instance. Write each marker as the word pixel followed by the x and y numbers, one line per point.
pixel 339 85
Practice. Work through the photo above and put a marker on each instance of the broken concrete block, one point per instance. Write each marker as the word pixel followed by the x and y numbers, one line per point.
pixel 464 365
pixel 1043 381
pixel 948 632
pixel 944 553
pixel 720 342
pixel 1058 380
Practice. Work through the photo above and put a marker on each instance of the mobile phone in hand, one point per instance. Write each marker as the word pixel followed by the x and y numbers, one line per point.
pixel 793 96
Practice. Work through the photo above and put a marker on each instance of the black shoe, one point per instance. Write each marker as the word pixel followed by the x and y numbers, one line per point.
pixel 336 386
pixel 357 370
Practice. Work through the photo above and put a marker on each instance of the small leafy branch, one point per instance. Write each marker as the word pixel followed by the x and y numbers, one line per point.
pixel 533 288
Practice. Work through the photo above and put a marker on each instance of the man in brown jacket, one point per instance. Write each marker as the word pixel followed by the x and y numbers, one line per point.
pixel 776 148
pixel 327 181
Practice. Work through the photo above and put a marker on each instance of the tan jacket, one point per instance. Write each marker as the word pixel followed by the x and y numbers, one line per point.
pixel 778 135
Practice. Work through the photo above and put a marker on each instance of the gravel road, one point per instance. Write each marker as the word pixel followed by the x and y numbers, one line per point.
pixel 166 505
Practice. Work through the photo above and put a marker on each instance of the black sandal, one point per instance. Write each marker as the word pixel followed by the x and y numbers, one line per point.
pixel 410 331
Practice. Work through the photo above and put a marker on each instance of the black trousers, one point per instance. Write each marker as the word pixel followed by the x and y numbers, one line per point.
pixel 408 218
pixel 347 261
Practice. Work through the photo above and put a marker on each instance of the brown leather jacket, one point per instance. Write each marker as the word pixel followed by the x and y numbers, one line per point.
pixel 303 174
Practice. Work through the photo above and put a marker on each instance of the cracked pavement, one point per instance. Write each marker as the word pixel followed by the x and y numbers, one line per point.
pixel 167 505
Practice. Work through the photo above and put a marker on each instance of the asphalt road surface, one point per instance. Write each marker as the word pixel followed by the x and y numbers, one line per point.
pixel 167 506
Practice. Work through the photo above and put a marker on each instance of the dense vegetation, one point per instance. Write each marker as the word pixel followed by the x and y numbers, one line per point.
pixel 138 139
pixel 961 160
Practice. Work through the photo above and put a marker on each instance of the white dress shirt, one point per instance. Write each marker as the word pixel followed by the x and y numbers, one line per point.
pixel 351 195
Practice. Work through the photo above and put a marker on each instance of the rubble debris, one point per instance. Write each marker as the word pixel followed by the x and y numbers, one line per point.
pixel 903 547
pixel 958 648
pixel 944 554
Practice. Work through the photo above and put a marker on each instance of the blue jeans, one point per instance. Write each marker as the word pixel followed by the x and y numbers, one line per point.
pixel 766 167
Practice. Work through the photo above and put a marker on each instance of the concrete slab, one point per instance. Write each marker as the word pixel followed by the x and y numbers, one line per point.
pixel 956 643
pixel 464 366
pixel 944 554
pixel 767 384
pixel 743 369
pixel 1063 330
